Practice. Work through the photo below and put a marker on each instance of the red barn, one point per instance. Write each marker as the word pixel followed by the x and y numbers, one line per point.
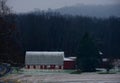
pixel 69 63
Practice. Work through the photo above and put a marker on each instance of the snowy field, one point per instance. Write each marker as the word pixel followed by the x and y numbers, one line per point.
pixel 61 77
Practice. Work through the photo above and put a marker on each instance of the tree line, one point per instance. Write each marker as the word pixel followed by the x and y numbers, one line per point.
pixel 10 47
pixel 41 31
pixel 48 31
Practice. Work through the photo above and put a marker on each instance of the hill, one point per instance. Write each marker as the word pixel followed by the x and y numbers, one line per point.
pixel 91 10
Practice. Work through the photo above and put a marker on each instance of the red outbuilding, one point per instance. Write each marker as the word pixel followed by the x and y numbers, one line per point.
pixel 69 63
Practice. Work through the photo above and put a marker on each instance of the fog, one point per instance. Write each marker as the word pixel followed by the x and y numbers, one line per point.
pixel 30 5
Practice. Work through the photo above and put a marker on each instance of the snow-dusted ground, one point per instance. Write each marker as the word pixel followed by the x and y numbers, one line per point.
pixel 66 78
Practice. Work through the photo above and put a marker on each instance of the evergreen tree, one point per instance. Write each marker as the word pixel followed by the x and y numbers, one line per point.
pixel 88 57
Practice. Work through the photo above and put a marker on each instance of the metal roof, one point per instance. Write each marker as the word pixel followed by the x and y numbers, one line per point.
pixel 44 58
pixel 70 59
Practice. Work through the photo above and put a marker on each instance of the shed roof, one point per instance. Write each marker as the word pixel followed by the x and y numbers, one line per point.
pixel 70 59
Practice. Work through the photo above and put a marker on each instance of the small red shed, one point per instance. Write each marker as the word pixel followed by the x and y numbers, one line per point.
pixel 69 63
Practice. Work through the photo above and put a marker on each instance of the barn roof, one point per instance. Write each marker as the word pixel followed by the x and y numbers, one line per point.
pixel 44 58
pixel 44 53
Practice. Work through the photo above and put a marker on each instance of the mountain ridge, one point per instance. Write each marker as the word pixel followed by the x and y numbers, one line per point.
pixel 91 10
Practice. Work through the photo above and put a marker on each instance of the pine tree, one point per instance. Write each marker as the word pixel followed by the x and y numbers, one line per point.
pixel 88 57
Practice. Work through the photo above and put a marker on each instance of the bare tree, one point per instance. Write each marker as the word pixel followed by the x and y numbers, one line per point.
pixel 4 9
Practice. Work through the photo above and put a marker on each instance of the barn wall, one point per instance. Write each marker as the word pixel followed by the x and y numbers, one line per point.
pixel 43 67
pixel 69 64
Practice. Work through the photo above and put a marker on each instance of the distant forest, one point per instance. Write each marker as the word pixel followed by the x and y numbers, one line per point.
pixel 41 31
pixel 48 31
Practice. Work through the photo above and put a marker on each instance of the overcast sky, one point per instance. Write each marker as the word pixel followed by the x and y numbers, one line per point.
pixel 30 5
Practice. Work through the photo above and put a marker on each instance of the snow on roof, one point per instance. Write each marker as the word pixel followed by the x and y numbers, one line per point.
pixel 67 59
pixel 73 58
pixel 70 59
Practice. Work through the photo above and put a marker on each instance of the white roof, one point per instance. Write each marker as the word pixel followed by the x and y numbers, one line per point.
pixel 44 53
pixel 74 58
pixel 44 58
pixel 69 59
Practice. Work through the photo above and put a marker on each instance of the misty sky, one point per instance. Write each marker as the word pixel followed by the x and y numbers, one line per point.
pixel 30 5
